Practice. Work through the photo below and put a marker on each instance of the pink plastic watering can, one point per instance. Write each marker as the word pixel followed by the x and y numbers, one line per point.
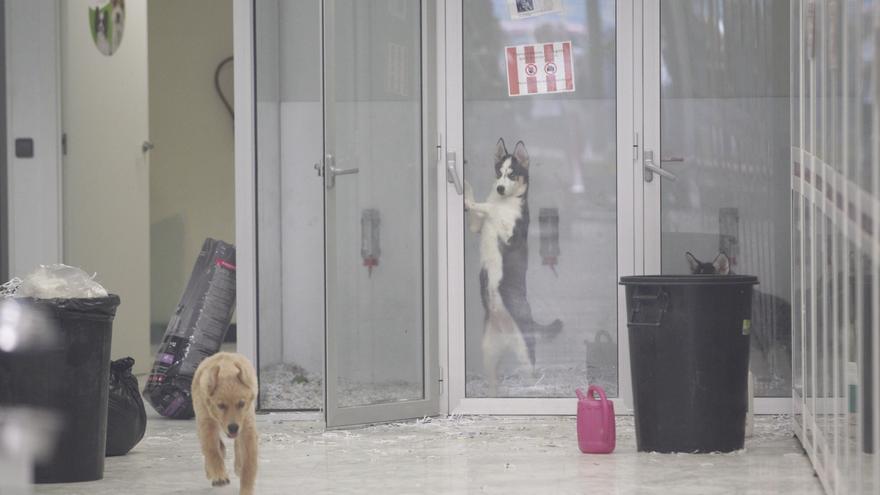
pixel 595 422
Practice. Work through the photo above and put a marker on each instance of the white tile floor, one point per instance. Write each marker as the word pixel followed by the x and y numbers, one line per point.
pixel 509 455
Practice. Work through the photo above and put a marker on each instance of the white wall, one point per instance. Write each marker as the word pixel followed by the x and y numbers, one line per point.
pixel 33 110
pixel 106 174
pixel 191 166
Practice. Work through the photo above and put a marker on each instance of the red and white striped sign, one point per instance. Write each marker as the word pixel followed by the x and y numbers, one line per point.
pixel 539 69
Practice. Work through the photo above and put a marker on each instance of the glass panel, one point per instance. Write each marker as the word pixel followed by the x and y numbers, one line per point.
pixel 374 216
pixel 869 70
pixel 835 355
pixel 557 324
pixel 866 390
pixel 797 289
pixel 871 181
pixel 290 205
pixel 853 363
pixel 725 134
pixel 817 80
pixel 806 57
pixel 821 348
pixel 841 329
pixel 808 312
pixel 794 82
pixel 867 73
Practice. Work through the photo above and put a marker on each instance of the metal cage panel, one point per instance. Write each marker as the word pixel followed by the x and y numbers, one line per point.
pixel 836 240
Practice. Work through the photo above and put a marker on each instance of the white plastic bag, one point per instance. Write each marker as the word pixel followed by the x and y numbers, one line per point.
pixel 60 281
pixel 9 288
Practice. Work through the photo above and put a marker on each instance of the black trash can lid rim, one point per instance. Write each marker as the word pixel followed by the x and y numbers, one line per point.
pixel 689 280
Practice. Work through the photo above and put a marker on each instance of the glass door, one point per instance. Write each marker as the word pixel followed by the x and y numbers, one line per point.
pixel 381 343
pixel 716 154
pixel 539 201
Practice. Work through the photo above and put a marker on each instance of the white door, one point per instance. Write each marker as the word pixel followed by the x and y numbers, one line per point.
pixel 381 354
pixel 560 82
pixel 105 169
pixel 716 123
pixel 32 117
pixel 347 272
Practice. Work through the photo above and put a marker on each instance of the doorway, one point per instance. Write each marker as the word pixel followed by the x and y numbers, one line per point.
pixel 147 151
pixel 579 196
pixel 346 208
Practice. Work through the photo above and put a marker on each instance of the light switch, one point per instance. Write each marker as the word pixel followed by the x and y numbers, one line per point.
pixel 24 148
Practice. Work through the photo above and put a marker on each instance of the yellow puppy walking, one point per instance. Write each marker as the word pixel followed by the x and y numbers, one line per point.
pixel 224 391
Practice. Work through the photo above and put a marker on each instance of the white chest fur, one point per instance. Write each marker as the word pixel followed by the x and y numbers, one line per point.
pixel 500 217
pixel 500 220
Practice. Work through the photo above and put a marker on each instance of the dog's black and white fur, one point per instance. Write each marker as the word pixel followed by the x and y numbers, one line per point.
pixel 503 224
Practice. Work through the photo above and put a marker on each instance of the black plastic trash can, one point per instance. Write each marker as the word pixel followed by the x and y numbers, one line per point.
pixel 689 358
pixel 71 378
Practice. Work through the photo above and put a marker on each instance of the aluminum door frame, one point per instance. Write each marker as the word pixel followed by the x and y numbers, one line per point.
pixel 340 417
pixel 629 223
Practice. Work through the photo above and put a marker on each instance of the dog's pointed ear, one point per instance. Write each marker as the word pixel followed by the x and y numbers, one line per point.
pixel 521 154
pixel 212 379
pixel 722 264
pixel 500 150
pixel 693 262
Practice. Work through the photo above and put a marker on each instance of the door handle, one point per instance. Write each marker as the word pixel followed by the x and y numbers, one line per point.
pixel 671 159
pixel 452 172
pixel 330 171
pixel 651 168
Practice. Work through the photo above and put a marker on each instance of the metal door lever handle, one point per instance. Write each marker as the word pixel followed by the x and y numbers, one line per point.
pixel 651 168
pixel 330 171
pixel 452 172
pixel 672 159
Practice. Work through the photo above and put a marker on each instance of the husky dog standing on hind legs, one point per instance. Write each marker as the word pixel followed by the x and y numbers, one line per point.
pixel 503 224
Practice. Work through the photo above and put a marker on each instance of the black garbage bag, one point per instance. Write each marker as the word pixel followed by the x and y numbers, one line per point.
pixel 126 416
pixel 196 330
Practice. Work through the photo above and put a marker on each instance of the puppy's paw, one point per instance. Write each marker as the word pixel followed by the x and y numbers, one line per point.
pixel 220 482
pixel 468 192
pixel 216 473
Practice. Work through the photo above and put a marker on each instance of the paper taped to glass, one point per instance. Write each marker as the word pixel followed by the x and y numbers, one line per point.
pixel 523 9
pixel 539 69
